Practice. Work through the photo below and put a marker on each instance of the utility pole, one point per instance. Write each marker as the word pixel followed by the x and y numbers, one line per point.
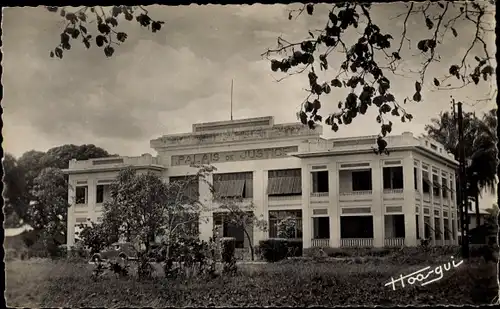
pixel 462 196
pixel 231 99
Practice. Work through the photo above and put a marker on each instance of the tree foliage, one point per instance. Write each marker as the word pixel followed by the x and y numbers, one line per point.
pixel 21 174
pixel 96 237
pixel 241 216
pixel 373 56
pixel 480 141
pixel 31 164
pixel 107 35
pixel 49 208
pixel 60 156
pixel 16 202
pixel 143 207
pixel 287 227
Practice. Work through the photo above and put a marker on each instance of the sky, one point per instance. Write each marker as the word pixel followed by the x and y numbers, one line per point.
pixel 161 83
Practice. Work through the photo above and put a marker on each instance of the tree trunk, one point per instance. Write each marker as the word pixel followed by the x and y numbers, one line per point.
pixel 478 219
pixel 249 243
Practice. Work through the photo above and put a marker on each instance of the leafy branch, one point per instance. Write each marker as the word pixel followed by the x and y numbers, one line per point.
pixel 363 70
pixel 107 36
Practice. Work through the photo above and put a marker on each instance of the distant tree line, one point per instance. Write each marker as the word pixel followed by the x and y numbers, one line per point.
pixel 36 190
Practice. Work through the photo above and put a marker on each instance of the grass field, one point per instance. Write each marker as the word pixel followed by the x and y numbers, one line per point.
pixel 45 283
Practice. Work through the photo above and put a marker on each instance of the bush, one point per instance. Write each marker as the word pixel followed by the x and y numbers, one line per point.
pixel 488 252
pixel 276 249
pixel 273 249
pixel 228 248
pixel 295 248
pixel 30 238
pixel 347 252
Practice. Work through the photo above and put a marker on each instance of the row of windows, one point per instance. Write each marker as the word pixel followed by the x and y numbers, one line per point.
pixel 81 194
pixel 288 224
pixel 289 182
pixel 436 232
pixel 444 187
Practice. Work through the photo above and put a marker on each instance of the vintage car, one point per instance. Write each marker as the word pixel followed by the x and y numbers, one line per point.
pixel 127 251
pixel 117 251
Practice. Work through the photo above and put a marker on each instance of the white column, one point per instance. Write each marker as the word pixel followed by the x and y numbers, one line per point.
pixel 431 196
pixel 420 181
pixel 306 214
pixel 441 218
pixel 409 202
pixel 453 186
pixel 377 204
pixel 91 197
pixel 333 207
pixel 206 215
pixel 260 203
pixel 70 231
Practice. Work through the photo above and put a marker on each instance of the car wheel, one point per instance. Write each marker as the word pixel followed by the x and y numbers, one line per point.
pixel 96 258
pixel 123 256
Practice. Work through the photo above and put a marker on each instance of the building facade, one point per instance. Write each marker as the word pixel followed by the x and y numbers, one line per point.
pixel 338 191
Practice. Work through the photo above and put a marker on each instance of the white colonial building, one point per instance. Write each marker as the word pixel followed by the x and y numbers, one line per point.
pixel 340 192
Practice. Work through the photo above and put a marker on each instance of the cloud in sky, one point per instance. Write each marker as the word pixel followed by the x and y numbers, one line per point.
pixel 160 83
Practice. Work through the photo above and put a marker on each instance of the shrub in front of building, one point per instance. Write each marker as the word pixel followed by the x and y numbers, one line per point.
pixel 228 252
pixel 277 249
pixel 347 252
pixel 273 249
pixel 488 252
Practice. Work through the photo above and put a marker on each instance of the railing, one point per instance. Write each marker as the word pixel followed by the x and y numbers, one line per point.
pixel 319 194
pixel 394 242
pixel 319 197
pixel 320 243
pixel 393 191
pixel 284 197
pixel 365 192
pixel 356 242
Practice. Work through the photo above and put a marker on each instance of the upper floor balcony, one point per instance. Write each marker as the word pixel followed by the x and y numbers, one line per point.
pixel 355 184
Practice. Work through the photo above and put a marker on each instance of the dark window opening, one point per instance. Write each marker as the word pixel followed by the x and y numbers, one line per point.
pixel 418 226
pixel 436 187
pixel 81 195
pixel 415 178
pixel 437 229
pixel 320 181
pixel 285 224
pixel 356 227
pixel 447 232
pixel 321 227
pixel 393 177
pixel 362 180
pixel 426 183
pixel 99 195
pixel 394 226
pixel 453 231
pixel 445 189
pixel 427 228
pixel 228 228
